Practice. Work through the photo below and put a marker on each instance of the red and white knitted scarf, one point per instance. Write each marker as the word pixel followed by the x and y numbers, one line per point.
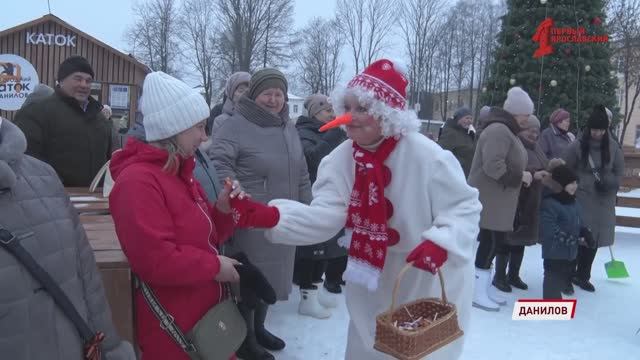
pixel 368 214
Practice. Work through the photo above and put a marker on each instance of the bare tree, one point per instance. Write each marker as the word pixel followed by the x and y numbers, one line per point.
pixel 317 56
pixel 351 15
pixel 200 36
pixel 625 27
pixel 255 32
pixel 418 20
pixel 367 24
pixel 153 36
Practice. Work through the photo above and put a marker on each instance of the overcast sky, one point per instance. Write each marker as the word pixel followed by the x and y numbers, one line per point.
pixel 107 20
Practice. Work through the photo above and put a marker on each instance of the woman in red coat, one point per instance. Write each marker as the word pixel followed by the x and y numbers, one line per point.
pixel 168 230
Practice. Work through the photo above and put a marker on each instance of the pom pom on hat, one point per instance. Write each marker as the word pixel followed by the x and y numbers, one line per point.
pixel 169 106
pixel 518 102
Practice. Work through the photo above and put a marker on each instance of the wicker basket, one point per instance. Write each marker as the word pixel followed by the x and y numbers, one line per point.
pixel 416 344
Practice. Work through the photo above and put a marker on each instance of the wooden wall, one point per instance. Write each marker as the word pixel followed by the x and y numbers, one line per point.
pixel 109 66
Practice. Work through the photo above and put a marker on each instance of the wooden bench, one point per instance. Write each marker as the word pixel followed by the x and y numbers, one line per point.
pixel 628 202
pixel 93 209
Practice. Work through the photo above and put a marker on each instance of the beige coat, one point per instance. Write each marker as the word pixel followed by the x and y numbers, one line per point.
pixel 496 170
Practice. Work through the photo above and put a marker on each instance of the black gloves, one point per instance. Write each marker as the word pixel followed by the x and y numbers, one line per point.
pixel 587 235
pixel 253 284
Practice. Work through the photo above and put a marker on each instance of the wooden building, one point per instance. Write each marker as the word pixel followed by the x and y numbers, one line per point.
pixel 47 41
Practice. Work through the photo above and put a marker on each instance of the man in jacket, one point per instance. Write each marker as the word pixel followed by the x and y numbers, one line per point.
pixel 68 130
pixel 458 137
pixel 35 208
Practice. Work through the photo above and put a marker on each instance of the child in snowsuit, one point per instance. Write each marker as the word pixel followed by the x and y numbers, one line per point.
pixel 561 228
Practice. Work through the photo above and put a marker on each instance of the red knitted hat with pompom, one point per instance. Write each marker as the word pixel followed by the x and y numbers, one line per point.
pixel 387 82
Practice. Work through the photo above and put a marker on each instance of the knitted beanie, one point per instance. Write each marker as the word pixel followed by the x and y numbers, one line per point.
pixel 558 116
pixel 518 102
pixel 74 64
pixel 316 103
pixel 460 113
pixel 267 79
pixel 533 122
pixel 170 106
pixel 598 118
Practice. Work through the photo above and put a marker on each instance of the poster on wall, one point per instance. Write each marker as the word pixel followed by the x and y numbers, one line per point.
pixel 119 96
pixel 18 79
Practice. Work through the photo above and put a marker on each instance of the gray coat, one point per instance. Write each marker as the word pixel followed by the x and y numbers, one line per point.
pixel 554 142
pixel 496 170
pixel 264 153
pixel 35 207
pixel 227 111
pixel 598 208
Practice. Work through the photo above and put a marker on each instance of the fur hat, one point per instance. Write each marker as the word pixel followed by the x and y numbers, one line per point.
pixel 316 103
pixel 518 102
pixel 533 122
pixel 561 175
pixel 382 89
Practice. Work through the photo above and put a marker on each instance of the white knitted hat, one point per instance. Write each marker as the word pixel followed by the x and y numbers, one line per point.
pixel 169 106
pixel 518 102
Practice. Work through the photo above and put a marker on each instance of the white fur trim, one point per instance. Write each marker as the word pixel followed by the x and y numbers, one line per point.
pixel 395 122
pixel 361 273
pixel 345 240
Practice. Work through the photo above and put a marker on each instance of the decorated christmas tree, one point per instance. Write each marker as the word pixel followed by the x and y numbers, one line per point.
pixel 557 51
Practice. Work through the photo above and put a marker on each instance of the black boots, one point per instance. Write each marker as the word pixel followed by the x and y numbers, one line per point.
pixel 583 284
pixel 515 260
pixel 500 278
pixel 250 349
pixel 264 337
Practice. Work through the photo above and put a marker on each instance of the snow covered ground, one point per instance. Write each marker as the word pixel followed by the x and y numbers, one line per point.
pixel 604 327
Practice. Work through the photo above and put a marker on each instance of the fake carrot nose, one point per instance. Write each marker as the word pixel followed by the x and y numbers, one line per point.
pixel 340 120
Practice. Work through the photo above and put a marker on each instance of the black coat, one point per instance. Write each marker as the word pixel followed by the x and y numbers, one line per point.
pixel 75 142
pixel 460 142
pixel 316 146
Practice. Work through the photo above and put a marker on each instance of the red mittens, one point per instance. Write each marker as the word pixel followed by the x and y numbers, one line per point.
pixel 428 256
pixel 248 213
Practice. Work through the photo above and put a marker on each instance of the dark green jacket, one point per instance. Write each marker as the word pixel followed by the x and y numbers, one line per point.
pixel 75 142
pixel 460 142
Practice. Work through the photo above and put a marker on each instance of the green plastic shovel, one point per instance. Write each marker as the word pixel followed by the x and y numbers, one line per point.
pixel 615 269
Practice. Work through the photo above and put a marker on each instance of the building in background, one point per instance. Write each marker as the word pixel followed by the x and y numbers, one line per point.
pixel 296 107
pixel 44 43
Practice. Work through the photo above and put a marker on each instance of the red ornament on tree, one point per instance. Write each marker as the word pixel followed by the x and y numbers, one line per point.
pixel 596 21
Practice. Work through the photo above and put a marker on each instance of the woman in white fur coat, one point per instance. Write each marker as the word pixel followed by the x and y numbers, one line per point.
pixel 401 198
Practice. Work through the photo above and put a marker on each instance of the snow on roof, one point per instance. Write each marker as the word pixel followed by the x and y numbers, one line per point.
pixel 294 97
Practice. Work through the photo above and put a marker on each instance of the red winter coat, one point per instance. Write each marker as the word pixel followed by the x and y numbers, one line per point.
pixel 170 235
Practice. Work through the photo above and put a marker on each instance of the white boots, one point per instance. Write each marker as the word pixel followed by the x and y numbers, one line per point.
pixel 481 298
pixel 309 305
pixel 493 292
pixel 326 298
